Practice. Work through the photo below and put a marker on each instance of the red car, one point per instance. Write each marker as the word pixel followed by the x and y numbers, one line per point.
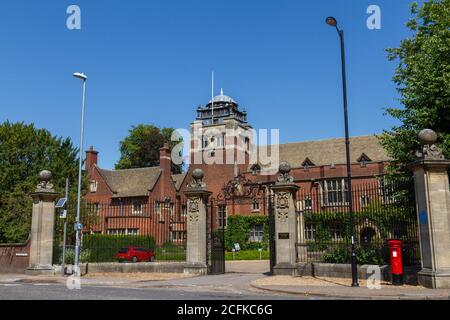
pixel 135 254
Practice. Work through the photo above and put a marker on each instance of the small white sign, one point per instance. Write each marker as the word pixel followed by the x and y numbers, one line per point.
pixel 63 214
pixel 21 254
pixel 394 254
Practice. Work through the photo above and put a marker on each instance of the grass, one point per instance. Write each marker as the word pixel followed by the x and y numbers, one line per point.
pixel 247 255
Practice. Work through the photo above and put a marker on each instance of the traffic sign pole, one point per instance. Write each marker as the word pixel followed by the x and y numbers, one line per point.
pixel 63 263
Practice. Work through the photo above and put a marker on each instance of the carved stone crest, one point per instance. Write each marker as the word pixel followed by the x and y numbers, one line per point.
pixel 429 150
pixel 194 209
pixel 282 205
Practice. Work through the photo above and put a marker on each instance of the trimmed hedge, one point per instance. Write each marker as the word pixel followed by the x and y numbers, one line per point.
pixel 103 248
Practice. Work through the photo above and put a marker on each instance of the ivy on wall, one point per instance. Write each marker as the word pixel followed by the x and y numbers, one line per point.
pixel 238 231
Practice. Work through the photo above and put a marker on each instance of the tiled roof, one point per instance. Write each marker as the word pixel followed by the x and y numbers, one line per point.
pixel 131 182
pixel 178 180
pixel 332 151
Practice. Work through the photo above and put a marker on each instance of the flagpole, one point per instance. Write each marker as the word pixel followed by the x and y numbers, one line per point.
pixel 212 97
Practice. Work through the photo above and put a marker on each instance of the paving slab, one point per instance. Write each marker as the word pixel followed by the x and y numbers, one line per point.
pixel 341 288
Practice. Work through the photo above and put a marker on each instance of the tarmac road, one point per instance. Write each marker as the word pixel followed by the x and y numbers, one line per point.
pixel 52 291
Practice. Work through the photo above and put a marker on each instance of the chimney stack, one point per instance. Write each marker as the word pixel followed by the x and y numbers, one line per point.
pixel 165 160
pixel 91 159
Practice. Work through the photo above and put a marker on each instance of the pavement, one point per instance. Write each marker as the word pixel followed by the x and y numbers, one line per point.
pixel 230 286
pixel 342 289
pixel 243 280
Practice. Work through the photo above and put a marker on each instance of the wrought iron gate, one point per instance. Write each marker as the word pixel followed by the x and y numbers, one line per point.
pixel 271 221
pixel 215 231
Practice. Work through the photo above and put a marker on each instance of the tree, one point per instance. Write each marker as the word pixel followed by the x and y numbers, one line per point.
pixel 423 81
pixel 24 152
pixel 141 147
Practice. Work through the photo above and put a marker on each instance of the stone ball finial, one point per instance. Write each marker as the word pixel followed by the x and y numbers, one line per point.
pixel 45 175
pixel 284 167
pixel 427 137
pixel 197 174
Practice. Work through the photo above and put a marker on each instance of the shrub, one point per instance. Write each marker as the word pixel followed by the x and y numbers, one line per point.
pixel 342 254
pixel 85 255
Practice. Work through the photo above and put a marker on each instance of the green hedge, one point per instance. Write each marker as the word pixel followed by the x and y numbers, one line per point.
pixel 103 248
pixel 377 255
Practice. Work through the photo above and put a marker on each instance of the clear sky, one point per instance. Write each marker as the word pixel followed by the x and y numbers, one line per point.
pixel 151 61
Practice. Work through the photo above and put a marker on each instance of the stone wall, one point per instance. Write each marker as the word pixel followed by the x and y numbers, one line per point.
pixel 14 258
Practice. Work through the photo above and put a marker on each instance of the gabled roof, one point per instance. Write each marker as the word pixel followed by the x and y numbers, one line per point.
pixel 363 157
pixel 308 162
pixel 178 180
pixel 131 182
pixel 332 151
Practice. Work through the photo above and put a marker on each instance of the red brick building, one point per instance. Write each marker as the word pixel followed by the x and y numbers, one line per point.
pixel 318 167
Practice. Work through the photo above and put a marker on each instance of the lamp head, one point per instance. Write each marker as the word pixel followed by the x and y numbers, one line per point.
pixel 80 76
pixel 331 21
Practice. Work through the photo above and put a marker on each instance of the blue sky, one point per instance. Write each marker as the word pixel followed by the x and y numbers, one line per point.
pixel 151 62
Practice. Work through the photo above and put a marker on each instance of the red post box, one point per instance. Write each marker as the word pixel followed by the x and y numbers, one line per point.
pixel 395 248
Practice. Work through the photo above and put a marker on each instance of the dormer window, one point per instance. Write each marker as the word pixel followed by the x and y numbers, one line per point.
pixel 363 159
pixel 256 169
pixel 93 186
pixel 307 164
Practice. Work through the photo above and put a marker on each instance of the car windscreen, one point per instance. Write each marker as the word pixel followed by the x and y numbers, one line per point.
pixel 123 250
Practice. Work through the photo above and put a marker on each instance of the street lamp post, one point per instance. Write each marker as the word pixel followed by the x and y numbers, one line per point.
pixel 82 77
pixel 333 23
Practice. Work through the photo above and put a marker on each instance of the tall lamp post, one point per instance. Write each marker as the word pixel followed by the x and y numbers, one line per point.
pixel 333 23
pixel 82 77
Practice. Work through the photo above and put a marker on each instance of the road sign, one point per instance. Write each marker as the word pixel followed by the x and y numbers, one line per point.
pixel 63 214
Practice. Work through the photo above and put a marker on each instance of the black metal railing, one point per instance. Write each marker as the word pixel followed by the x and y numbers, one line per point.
pixel 108 226
pixel 383 209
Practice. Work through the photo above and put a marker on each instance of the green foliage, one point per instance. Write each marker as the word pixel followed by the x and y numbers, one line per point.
pixel 394 219
pixel 141 147
pixel 238 231
pixel 372 255
pixel 423 81
pixel 24 152
pixel 103 248
pixel 247 255
pixel 85 255
pixel 170 251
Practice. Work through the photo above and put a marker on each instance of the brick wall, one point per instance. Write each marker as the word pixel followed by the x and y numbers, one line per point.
pixel 14 258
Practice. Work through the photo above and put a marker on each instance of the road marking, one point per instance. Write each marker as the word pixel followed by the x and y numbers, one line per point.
pixel 10 285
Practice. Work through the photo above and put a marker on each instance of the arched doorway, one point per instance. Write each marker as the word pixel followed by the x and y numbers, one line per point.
pixel 366 235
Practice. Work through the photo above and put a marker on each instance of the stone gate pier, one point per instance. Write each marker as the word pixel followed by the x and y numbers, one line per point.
pixel 286 227
pixel 196 246
pixel 433 208
pixel 42 226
